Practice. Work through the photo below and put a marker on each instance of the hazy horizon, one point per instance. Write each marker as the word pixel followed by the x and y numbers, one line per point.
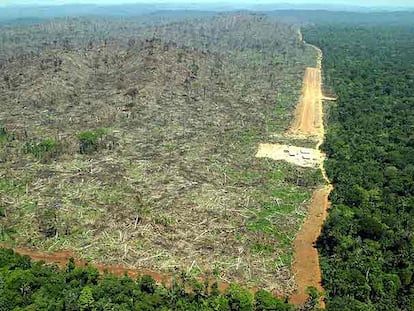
pixel 363 3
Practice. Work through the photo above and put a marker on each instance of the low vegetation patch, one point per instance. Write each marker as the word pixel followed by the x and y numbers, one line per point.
pixel 90 141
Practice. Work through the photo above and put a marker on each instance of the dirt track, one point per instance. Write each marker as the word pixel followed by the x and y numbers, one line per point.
pixel 308 116
pixel 306 260
pixel 60 258
pixel 309 123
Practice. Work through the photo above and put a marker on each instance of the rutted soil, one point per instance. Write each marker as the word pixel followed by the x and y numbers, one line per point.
pixel 306 260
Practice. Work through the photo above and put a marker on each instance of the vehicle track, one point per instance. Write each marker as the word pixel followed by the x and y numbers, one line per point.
pixel 309 123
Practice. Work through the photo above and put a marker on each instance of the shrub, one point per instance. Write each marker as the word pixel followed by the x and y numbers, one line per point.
pixel 90 140
pixel 240 299
pixel 264 301
pixel 41 149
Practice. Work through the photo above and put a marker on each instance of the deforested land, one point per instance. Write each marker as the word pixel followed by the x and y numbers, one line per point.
pixel 133 142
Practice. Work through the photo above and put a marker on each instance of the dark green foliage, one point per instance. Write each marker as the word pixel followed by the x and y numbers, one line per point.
pixel 25 285
pixel 313 299
pixel 367 244
pixel 239 298
pixel 89 141
pixel 47 220
pixel 147 284
pixel 194 69
pixel 5 134
pixel 264 301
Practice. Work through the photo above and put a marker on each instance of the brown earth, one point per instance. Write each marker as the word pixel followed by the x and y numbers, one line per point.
pixel 308 116
pixel 308 122
pixel 306 260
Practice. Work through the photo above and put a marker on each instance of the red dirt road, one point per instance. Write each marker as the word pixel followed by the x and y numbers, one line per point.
pixel 60 258
pixel 306 260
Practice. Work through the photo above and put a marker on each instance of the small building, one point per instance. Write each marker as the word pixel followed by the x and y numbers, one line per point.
pixel 305 151
pixel 306 157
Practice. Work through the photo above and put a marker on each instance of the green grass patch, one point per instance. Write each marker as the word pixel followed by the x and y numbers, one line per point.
pixel 8 187
pixel 259 248
pixel 41 149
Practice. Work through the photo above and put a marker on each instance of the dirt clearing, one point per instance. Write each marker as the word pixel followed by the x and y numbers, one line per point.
pixel 304 157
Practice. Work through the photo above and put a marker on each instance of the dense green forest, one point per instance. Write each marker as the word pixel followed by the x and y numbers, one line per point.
pixel 367 243
pixel 25 285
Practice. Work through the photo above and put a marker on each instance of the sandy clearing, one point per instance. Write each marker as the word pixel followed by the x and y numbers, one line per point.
pixel 329 98
pixel 304 157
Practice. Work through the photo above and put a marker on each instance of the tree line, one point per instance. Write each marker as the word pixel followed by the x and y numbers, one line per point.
pixel 27 285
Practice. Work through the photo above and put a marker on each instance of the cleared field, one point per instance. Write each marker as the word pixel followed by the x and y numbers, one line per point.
pixel 141 154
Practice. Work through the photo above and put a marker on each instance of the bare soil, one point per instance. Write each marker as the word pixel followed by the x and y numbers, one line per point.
pixel 308 118
pixel 304 157
pixel 306 266
pixel 61 258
